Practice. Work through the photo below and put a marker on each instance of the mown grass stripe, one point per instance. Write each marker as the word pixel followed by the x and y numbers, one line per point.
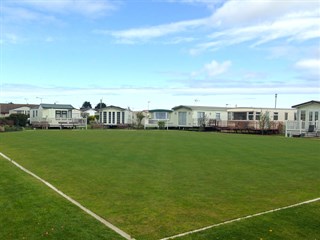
pixel 241 218
pixel 94 215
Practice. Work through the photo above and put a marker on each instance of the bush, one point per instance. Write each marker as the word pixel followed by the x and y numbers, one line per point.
pixel 12 128
pixel 91 119
pixel 18 119
pixel 161 124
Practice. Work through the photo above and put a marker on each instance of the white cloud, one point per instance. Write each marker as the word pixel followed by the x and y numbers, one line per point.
pixel 179 40
pixel 214 68
pixel 309 64
pixel 32 9
pixel 208 72
pixel 11 38
pixel 289 29
pixel 236 22
pixel 91 8
pixel 146 33
pixel 309 69
pixel 250 12
pixel 10 91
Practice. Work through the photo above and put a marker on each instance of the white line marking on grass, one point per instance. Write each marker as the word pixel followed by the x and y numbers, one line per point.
pixel 100 219
pixel 241 218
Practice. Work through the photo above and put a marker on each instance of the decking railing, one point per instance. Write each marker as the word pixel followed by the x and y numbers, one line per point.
pixel 59 122
pixel 301 127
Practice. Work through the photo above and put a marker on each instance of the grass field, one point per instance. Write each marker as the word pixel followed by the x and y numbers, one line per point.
pixel 154 184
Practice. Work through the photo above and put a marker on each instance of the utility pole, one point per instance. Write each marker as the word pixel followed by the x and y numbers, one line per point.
pixel 275 100
pixel 101 111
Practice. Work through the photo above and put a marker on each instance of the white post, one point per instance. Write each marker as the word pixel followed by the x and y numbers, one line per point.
pixel 300 126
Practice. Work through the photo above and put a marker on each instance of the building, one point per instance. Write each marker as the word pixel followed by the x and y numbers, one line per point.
pixel 10 108
pixel 254 114
pixel 306 122
pixel 258 119
pixel 113 116
pixel 154 118
pixel 56 116
pixel 185 116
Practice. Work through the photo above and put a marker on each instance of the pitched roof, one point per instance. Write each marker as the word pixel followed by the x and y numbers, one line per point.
pixel 6 107
pixel 56 106
pixel 203 108
pixel 111 106
pixel 306 103
pixel 160 110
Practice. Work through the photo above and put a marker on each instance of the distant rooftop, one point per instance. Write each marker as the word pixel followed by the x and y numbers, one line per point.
pixel 6 107
pixel 56 106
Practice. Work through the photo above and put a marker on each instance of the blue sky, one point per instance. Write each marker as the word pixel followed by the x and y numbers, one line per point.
pixel 160 53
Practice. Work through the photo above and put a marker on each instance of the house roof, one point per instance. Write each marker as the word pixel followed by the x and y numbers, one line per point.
pixel 160 110
pixel 56 106
pixel 256 109
pixel 306 103
pixel 203 108
pixel 111 106
pixel 6 107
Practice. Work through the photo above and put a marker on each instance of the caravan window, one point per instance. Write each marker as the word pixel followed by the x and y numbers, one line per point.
pixel 250 115
pixel 310 116
pixel 240 116
pixel 160 115
pixel 258 116
pixel 118 117
pixel 303 115
pixel 58 114
pixel 64 114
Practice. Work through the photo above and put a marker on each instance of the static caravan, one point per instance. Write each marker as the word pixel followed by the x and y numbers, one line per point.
pixel 306 121
pixel 56 115
pixel 258 118
pixel 197 116
pixel 113 116
pixel 157 118
pixel 254 114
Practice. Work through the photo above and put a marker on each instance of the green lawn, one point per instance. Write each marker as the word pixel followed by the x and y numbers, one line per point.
pixel 29 210
pixel 297 223
pixel 154 184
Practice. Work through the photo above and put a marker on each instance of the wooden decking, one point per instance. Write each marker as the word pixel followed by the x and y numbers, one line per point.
pixel 251 127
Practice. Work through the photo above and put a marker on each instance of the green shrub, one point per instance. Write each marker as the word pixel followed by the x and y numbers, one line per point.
pixel 18 119
pixel 161 124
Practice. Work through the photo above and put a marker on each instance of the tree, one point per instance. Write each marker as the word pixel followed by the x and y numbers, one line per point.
pixel 86 105
pixel 18 119
pixel 100 105
pixel 140 116
pixel 161 124
pixel 264 122
pixel 91 119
